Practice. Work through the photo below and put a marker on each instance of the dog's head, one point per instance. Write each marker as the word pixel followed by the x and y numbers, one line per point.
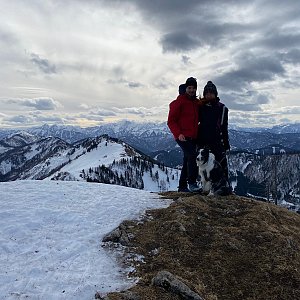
pixel 203 156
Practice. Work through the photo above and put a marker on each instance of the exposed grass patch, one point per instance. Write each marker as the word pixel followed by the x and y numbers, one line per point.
pixel 222 248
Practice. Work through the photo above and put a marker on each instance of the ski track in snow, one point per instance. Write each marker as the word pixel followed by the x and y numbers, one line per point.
pixel 51 232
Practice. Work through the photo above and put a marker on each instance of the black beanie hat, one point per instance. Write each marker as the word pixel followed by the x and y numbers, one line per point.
pixel 181 89
pixel 191 81
pixel 210 87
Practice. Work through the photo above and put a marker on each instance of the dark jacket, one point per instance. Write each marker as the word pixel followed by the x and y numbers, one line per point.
pixel 213 125
pixel 183 116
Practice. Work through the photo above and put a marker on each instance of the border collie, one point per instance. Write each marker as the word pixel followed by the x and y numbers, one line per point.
pixel 212 175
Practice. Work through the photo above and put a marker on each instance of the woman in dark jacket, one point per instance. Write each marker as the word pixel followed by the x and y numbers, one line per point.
pixel 213 126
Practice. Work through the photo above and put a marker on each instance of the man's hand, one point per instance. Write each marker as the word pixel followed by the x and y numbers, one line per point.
pixel 181 138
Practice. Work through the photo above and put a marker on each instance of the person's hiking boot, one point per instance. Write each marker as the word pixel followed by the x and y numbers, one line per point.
pixel 194 188
pixel 183 190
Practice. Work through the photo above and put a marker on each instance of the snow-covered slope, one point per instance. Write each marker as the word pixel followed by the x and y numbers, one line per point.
pixel 100 159
pixel 105 160
pixel 20 162
pixel 50 238
pixel 17 139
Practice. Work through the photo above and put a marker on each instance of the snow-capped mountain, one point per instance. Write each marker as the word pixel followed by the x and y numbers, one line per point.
pixel 155 139
pixel 279 129
pixel 73 161
pixel 253 141
pixel 69 134
pixel 33 160
pixel 146 137
pixel 20 138
pixel 17 139
pixel 100 159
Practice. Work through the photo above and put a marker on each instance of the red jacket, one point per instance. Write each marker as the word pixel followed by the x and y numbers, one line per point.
pixel 183 116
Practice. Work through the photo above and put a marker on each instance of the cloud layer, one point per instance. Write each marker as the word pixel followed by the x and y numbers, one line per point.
pixel 86 62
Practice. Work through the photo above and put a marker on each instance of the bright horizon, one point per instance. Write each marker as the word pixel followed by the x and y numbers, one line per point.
pixel 85 63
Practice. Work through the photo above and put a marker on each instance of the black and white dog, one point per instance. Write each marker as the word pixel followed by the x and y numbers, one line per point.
pixel 212 175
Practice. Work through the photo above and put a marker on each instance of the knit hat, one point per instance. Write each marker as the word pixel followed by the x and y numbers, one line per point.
pixel 191 81
pixel 210 87
pixel 181 89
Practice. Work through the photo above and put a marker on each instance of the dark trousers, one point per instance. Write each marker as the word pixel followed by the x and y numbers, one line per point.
pixel 189 172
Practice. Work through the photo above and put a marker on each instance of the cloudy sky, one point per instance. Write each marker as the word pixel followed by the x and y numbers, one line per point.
pixel 85 62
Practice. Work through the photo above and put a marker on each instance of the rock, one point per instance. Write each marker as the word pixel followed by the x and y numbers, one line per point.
pixel 118 235
pixel 172 283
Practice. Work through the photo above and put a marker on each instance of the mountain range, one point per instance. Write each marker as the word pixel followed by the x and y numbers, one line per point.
pixel 146 156
pixel 151 137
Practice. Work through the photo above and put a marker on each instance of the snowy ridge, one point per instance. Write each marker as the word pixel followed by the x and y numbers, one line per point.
pixel 105 160
pixel 150 137
pixel 19 162
pixel 20 139
pixel 100 159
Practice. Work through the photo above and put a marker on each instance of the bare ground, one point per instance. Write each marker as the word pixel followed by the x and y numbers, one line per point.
pixel 221 248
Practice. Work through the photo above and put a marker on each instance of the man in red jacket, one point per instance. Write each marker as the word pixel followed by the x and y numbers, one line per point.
pixel 183 123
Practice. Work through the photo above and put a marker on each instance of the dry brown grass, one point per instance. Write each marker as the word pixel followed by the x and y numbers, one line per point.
pixel 222 248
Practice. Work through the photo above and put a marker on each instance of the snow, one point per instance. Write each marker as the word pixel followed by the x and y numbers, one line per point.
pixel 51 232
pixel 33 152
pixel 3 149
pixel 104 154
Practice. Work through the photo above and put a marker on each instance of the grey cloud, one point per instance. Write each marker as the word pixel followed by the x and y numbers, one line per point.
pixel 289 110
pixel 41 103
pixel 37 103
pixel 249 101
pixel 185 59
pixel 43 64
pixel 188 25
pixel 250 69
pixel 161 85
pixel 33 118
pixel 285 120
pixel 118 71
pixel 130 84
pixel 7 38
pixel 178 41
pixel 261 44
pixel 245 106
pixel 141 111
pixel 103 112
pixel 190 34
pixel 249 120
pixel 46 118
pixel 19 119
pixel 280 40
pixel 292 56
